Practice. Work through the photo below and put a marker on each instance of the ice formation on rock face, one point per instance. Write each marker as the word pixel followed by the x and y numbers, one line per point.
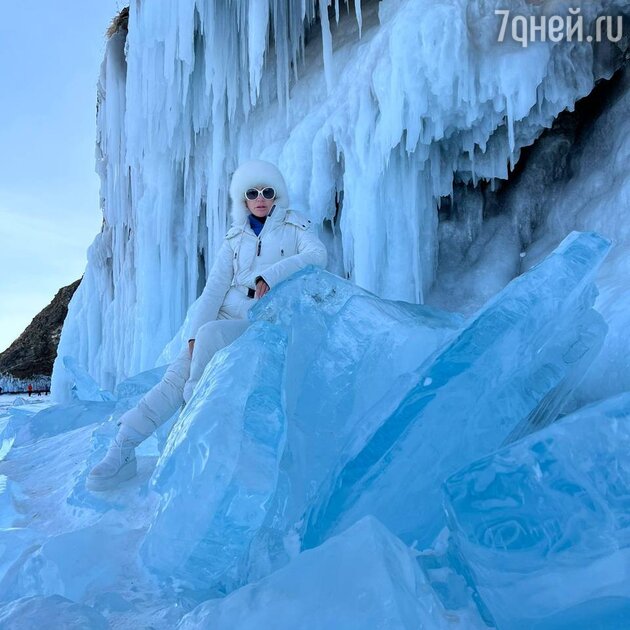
pixel 597 195
pixel 421 93
pixel 513 363
pixel 543 526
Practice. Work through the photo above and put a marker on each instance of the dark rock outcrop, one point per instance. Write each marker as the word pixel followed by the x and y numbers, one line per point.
pixel 34 351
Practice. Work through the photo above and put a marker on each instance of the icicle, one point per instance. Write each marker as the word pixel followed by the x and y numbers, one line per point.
pixel 327 45
pixel 357 12
pixel 510 124
pixel 257 23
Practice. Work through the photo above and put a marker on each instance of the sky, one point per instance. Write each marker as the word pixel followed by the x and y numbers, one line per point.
pixel 50 56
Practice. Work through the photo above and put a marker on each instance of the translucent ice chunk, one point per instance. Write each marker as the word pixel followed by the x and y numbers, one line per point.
pixel 16 543
pixel 364 578
pixel 302 291
pixel 78 563
pixel 347 348
pixel 85 387
pixel 543 526
pixel 514 360
pixel 219 469
pixel 367 347
pixel 140 383
pixel 47 612
pixel 24 428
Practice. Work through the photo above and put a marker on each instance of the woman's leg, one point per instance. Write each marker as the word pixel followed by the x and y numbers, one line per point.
pixel 163 400
pixel 153 410
pixel 210 338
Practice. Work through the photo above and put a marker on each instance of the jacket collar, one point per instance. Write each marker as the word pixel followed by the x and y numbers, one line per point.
pixel 276 215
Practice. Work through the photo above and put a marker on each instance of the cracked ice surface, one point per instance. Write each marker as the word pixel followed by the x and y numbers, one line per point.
pixel 543 526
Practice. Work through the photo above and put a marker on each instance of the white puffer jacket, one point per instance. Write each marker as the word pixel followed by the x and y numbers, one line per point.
pixel 287 242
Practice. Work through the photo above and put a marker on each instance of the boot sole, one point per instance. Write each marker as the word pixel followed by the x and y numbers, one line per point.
pixel 126 472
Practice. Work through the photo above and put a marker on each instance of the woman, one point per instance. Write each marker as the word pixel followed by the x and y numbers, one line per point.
pixel 266 243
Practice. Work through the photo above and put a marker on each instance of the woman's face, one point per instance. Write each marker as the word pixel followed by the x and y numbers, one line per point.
pixel 260 206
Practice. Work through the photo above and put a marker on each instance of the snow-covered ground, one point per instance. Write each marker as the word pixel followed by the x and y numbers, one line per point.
pixel 35 402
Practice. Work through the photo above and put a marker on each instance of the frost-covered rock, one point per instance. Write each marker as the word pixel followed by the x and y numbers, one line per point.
pixel 543 526
pixel 363 579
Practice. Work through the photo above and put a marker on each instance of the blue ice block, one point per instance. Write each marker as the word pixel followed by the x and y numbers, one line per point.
pixel 543 526
pixel 48 612
pixel 363 578
pixel 137 385
pixel 20 426
pixel 219 469
pixel 85 387
pixel 303 291
pixel 514 363
pixel 347 349
pixel 368 347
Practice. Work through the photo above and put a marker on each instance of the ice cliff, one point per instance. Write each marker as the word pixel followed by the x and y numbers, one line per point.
pixel 375 114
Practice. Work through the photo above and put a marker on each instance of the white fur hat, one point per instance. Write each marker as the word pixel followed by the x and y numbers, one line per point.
pixel 255 173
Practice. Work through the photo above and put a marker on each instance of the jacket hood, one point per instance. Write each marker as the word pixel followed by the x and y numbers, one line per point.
pixel 250 174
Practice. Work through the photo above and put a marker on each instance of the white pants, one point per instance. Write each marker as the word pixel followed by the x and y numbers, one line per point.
pixel 177 385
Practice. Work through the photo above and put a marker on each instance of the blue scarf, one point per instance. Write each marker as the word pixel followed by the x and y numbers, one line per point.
pixel 256 223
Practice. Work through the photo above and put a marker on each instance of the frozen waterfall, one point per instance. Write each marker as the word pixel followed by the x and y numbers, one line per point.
pixel 372 115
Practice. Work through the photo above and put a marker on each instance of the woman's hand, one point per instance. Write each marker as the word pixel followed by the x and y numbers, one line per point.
pixel 261 288
pixel 191 346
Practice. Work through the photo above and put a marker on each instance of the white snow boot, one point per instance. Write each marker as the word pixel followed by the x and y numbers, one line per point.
pixel 119 464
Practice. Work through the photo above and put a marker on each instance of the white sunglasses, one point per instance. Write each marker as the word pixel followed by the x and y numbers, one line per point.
pixel 253 193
